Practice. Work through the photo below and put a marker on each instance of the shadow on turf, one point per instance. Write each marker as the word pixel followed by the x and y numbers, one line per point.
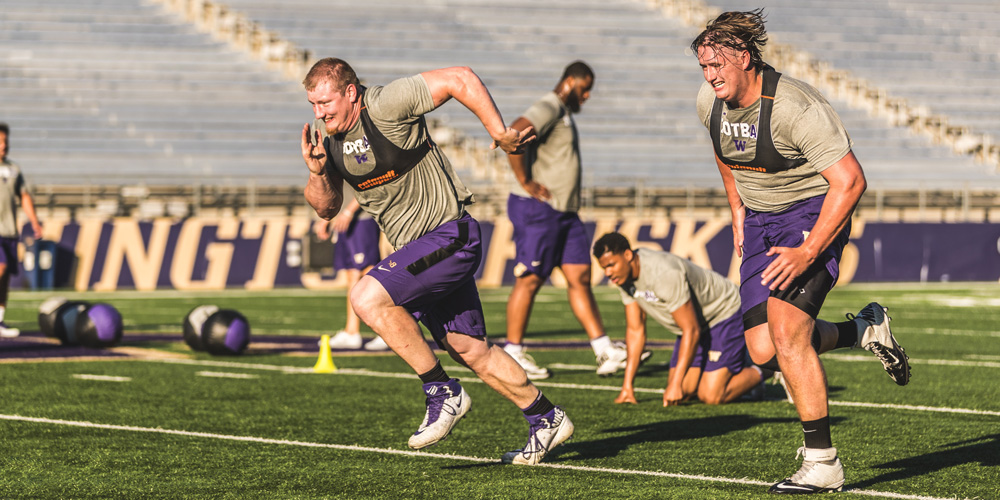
pixel 666 431
pixel 982 449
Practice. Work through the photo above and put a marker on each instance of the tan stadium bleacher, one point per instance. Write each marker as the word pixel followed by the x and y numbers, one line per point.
pixel 121 92
pixel 939 55
pixel 640 123
pixel 127 92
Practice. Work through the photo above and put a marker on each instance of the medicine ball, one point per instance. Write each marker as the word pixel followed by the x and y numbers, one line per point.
pixel 193 323
pixel 225 332
pixel 99 326
pixel 47 315
pixel 57 318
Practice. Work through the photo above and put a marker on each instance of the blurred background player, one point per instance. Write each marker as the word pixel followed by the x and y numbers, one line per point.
pixel 710 356
pixel 379 143
pixel 793 183
pixel 356 235
pixel 548 233
pixel 14 191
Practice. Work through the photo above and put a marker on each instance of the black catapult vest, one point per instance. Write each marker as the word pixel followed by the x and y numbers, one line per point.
pixel 391 161
pixel 766 158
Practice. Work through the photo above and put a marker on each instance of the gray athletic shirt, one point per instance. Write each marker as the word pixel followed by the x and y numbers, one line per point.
pixel 10 197
pixel 666 282
pixel 803 125
pixel 554 158
pixel 428 195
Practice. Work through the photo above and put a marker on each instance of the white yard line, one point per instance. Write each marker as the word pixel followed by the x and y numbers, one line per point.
pixel 586 387
pixel 422 454
pixel 227 375
pixel 102 378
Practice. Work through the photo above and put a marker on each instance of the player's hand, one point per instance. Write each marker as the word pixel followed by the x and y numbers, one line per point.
pixel 322 229
pixel 673 396
pixel 342 221
pixel 537 191
pixel 513 141
pixel 626 396
pixel 37 229
pixel 315 156
pixel 789 264
pixel 739 218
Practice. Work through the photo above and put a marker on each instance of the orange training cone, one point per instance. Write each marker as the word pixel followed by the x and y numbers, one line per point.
pixel 325 362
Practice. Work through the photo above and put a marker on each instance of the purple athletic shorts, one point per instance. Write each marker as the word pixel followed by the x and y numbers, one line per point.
pixel 763 230
pixel 545 237
pixel 433 277
pixel 8 255
pixel 357 248
pixel 720 346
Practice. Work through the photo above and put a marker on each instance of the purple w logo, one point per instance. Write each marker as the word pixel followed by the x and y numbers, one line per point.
pixel 740 145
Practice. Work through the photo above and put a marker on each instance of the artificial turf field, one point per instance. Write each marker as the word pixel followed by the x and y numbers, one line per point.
pixel 152 419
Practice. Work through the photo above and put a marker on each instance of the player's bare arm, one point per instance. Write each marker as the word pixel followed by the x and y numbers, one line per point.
pixel 735 205
pixel 519 166
pixel 28 205
pixel 635 343
pixel 687 320
pixel 324 190
pixel 847 184
pixel 462 84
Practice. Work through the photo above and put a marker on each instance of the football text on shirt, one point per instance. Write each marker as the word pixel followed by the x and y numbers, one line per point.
pixel 740 132
pixel 358 149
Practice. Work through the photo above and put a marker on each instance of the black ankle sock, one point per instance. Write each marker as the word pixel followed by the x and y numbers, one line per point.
pixel 817 433
pixel 847 334
pixel 541 406
pixel 436 374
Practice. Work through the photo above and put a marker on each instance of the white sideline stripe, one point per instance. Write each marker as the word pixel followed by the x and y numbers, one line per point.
pixel 103 378
pixel 371 373
pixel 982 356
pixel 964 333
pixel 226 375
pixel 408 453
pixel 918 408
pixel 564 366
pixel 915 361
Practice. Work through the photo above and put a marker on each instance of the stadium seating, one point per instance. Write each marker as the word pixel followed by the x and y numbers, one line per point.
pixel 123 92
pixel 938 54
pixel 120 92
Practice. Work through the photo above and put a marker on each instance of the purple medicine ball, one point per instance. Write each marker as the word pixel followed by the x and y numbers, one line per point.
pixel 99 325
pixel 225 332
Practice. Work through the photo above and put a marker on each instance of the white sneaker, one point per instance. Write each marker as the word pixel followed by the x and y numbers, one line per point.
pixel 8 332
pixel 524 359
pixel 376 344
pixel 344 340
pixel 877 338
pixel 545 433
pixel 821 472
pixel 447 403
pixel 612 359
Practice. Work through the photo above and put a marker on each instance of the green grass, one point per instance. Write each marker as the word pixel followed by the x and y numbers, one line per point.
pixel 301 426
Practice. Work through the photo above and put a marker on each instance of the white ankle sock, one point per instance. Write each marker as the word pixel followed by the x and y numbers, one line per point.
pixel 513 348
pixel 600 344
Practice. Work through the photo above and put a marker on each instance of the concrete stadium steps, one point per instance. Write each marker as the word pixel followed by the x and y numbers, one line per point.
pixel 121 91
pixel 124 88
pixel 941 54
pixel 642 110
